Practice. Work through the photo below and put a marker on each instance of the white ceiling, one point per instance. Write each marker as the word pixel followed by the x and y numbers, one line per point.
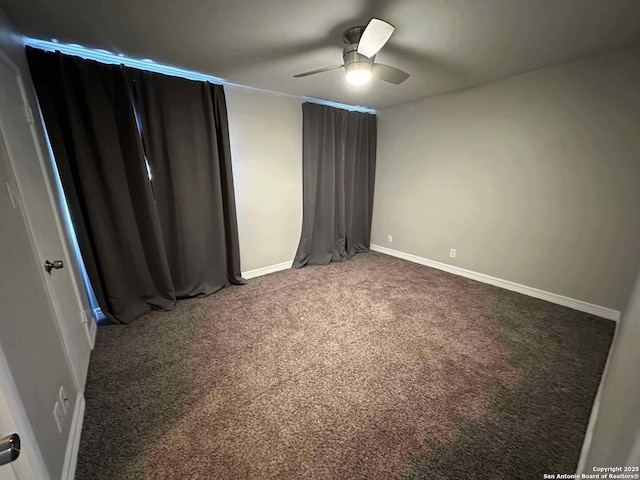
pixel 446 45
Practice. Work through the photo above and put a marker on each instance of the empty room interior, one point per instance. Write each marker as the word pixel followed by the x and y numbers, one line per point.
pixel 365 239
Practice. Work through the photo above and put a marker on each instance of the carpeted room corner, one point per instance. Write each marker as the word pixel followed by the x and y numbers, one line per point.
pixel 373 368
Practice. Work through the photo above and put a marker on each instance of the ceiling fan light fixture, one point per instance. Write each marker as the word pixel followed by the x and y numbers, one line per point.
pixel 358 73
pixel 358 77
pixel 358 56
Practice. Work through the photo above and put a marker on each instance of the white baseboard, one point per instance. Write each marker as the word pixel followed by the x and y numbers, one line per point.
pixel 258 272
pixel 73 443
pixel 586 307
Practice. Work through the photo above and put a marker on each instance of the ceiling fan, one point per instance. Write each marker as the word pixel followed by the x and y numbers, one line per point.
pixel 363 43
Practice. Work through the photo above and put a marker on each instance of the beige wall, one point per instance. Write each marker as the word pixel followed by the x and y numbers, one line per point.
pixel 266 148
pixel 533 179
pixel 616 436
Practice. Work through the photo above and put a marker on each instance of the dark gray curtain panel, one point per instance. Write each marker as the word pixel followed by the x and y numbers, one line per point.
pixel 338 169
pixel 90 119
pixel 144 243
pixel 185 132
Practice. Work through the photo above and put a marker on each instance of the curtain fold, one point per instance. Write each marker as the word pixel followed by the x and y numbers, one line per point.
pixel 92 129
pixel 185 133
pixel 143 244
pixel 338 170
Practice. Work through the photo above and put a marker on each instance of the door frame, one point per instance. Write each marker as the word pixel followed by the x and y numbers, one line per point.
pixel 55 197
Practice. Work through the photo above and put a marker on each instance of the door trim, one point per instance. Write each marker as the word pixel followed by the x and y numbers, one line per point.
pixel 73 442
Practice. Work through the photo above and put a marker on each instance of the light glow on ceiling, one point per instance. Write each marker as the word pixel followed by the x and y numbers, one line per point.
pixel 104 56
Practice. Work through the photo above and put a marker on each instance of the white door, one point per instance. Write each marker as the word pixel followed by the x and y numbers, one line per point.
pixel 29 464
pixel 32 170
pixel 33 361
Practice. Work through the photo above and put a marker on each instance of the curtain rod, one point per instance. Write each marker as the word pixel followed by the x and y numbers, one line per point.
pixel 104 56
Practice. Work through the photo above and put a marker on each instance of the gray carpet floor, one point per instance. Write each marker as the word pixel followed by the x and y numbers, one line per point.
pixel 374 368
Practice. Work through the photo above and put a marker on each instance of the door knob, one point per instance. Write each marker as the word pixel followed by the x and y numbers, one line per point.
pixel 48 266
pixel 9 448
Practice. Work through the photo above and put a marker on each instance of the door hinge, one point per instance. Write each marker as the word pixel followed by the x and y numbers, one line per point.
pixel 29 114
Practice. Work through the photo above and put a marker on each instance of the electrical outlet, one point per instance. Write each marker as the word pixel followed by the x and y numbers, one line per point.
pixel 64 400
pixel 58 415
pixel 452 253
pixel 389 238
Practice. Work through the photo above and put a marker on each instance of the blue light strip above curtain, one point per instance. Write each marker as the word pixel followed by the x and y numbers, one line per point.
pixel 104 56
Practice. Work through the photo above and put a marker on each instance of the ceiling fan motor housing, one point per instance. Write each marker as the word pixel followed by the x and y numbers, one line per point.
pixel 353 35
pixel 354 61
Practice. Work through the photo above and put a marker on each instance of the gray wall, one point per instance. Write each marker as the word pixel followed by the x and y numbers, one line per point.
pixel 616 436
pixel 266 148
pixel 533 179
pixel 29 335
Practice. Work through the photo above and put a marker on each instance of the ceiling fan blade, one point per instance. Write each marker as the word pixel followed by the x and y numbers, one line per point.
pixel 320 70
pixel 389 74
pixel 374 37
